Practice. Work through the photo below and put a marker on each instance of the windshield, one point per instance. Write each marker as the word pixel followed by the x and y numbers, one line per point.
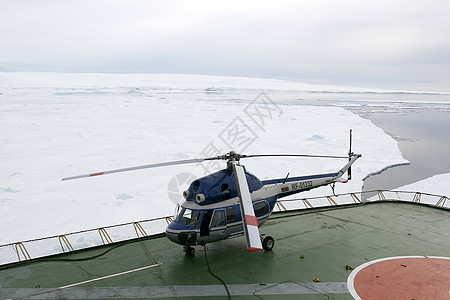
pixel 189 217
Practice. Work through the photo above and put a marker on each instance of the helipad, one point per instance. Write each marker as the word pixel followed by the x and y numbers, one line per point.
pixel 405 277
pixel 314 254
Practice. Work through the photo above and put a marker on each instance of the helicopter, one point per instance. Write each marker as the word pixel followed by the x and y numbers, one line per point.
pixel 233 202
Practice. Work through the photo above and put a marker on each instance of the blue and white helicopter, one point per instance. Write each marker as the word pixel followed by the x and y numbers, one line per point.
pixel 232 202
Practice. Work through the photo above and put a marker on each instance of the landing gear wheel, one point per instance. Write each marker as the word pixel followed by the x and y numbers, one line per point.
pixel 189 250
pixel 268 242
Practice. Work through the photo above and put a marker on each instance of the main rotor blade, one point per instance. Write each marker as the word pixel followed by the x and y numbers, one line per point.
pixel 293 155
pixel 250 222
pixel 169 163
pixel 231 156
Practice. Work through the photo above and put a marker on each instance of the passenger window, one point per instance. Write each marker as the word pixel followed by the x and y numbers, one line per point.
pixel 218 219
pixel 260 208
pixel 230 214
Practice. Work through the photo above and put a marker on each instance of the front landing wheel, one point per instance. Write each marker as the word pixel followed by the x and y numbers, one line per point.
pixel 268 242
pixel 189 250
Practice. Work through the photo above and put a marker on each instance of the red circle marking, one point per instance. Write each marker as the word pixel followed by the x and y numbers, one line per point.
pixel 410 277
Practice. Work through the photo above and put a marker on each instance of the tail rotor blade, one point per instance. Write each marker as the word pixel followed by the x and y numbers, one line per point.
pixel 350 149
pixel 350 153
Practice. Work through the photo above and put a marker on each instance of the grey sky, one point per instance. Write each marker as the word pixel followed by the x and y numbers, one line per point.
pixel 385 44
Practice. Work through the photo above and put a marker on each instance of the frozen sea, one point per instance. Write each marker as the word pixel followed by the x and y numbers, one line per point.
pixel 59 125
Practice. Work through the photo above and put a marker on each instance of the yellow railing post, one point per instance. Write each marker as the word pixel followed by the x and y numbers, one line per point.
pixel 63 238
pixel 381 196
pixel 355 198
pixel 416 198
pixel 441 201
pixel 331 200
pixel 24 251
pixel 306 202
pixel 138 228
pixel 281 206
pixel 107 239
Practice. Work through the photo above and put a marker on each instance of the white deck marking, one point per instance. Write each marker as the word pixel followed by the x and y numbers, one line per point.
pixel 110 276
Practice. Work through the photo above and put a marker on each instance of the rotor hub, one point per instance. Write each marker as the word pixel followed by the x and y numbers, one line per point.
pixel 231 156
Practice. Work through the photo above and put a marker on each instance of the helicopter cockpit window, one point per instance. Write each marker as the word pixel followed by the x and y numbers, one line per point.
pixel 189 217
pixel 177 210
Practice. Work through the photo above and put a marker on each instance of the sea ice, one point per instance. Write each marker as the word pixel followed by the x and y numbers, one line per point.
pixel 437 184
pixel 59 125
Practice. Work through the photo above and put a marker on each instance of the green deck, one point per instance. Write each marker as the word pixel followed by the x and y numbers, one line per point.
pixel 328 238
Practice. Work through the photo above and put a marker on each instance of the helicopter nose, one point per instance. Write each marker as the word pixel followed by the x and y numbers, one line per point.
pixel 171 236
pixel 181 236
pixel 187 238
pixel 172 233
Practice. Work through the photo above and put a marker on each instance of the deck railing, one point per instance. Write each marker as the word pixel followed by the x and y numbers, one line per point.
pixel 44 247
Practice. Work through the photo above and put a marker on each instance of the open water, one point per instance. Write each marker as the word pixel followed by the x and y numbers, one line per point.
pixel 424 139
pixel 420 122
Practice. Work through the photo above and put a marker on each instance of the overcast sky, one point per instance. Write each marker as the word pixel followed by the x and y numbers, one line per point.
pixel 385 44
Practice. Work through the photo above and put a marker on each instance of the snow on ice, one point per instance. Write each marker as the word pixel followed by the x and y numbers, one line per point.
pixel 437 184
pixel 59 125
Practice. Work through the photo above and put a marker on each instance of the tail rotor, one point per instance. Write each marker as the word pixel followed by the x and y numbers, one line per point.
pixel 350 154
